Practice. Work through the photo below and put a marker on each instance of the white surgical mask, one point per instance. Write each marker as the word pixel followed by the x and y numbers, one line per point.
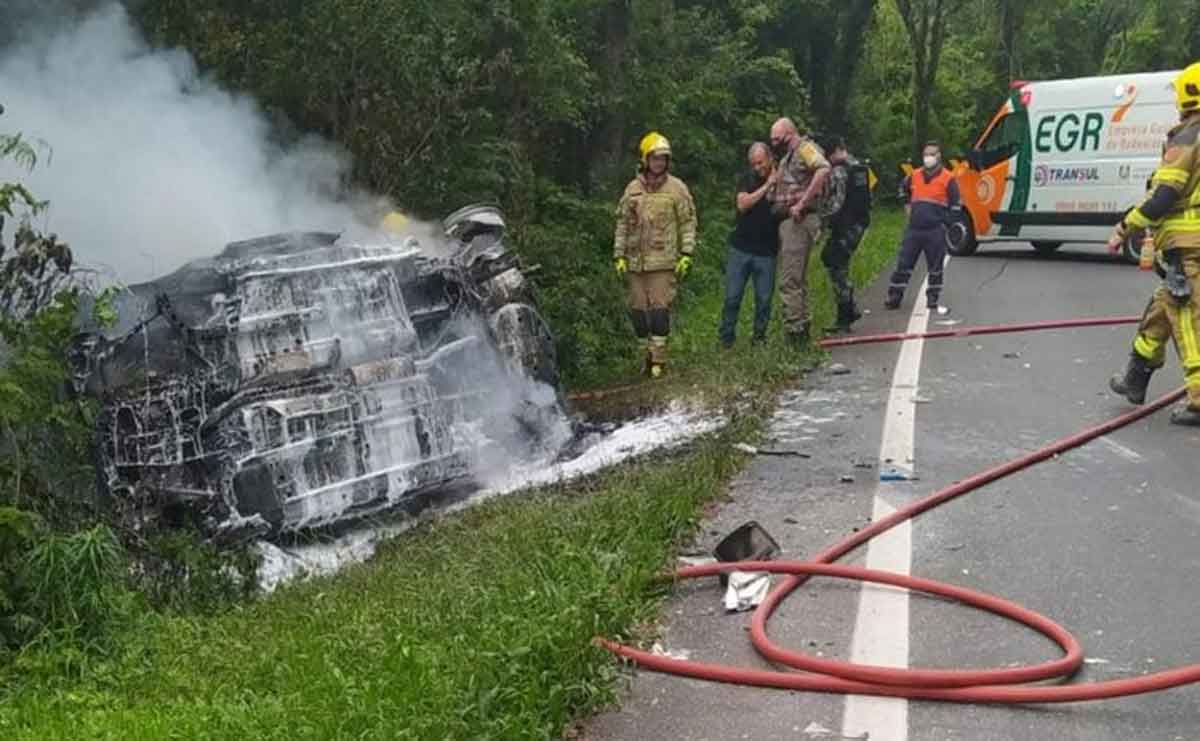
pixel 931 161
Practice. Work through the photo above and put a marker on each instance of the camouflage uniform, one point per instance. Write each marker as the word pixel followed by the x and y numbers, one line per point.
pixel 797 236
pixel 655 227
pixel 847 226
pixel 1174 313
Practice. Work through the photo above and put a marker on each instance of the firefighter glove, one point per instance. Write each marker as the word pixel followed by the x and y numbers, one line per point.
pixel 683 265
pixel 621 265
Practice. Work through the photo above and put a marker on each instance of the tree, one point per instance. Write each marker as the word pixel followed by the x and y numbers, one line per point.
pixel 43 436
pixel 825 40
pixel 925 21
pixel 1011 17
pixel 610 131
pixel 855 23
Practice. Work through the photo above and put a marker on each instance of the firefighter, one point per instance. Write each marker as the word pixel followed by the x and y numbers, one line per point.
pixel 1172 212
pixel 847 227
pixel 932 199
pixel 653 246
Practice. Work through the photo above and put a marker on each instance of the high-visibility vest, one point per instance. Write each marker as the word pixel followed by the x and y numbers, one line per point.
pixel 935 191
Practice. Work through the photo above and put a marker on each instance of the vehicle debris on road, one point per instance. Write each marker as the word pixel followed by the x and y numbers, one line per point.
pixel 751 450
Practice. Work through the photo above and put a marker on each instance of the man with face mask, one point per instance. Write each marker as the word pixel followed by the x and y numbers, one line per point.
pixel 932 199
pixel 654 243
pixel 803 171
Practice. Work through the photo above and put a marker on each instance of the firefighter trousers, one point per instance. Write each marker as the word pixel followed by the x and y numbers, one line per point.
pixel 651 294
pixel 1165 319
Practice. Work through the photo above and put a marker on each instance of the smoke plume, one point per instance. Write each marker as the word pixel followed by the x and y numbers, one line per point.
pixel 150 163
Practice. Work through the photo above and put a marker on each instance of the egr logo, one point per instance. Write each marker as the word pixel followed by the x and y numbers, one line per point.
pixel 1126 96
pixel 1041 176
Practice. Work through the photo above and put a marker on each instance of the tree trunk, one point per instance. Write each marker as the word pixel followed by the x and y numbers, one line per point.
pixel 1010 23
pixel 855 24
pixel 925 21
pixel 818 52
pixel 610 151
pixel 922 99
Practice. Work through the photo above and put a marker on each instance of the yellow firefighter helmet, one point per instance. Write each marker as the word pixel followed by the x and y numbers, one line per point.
pixel 654 143
pixel 1187 89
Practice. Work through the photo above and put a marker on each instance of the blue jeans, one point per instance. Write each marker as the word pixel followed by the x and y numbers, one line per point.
pixel 740 267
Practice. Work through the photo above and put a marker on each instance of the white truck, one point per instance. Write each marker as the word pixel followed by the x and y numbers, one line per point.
pixel 1063 161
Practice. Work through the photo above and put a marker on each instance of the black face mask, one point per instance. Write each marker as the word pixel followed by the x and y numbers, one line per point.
pixel 780 149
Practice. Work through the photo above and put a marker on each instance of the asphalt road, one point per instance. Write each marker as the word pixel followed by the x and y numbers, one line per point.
pixel 1105 539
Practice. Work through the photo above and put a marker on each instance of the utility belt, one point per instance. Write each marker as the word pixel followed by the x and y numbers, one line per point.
pixel 1175 279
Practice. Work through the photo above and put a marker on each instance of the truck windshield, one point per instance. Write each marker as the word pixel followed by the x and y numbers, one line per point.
pixel 1003 141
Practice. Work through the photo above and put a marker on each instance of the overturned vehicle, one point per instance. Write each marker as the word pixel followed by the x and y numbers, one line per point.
pixel 302 380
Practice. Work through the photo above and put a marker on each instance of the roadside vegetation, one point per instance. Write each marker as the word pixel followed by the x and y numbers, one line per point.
pixel 477 625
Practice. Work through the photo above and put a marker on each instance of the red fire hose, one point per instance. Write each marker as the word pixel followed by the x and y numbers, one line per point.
pixel 1003 686
pixel 871 339
pixel 968 331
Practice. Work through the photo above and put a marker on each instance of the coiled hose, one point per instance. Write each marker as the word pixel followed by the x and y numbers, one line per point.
pixel 998 686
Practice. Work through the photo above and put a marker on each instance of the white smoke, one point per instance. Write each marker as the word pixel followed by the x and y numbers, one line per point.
pixel 151 163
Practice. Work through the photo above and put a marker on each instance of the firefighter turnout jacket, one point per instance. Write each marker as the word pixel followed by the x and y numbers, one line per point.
pixel 655 226
pixel 1173 206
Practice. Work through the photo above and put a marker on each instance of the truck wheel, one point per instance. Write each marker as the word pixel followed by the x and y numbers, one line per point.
pixel 1046 248
pixel 960 237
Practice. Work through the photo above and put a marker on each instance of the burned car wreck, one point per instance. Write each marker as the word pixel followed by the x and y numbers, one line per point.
pixel 302 380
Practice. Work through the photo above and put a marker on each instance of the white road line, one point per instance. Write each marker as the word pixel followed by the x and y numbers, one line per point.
pixel 1127 453
pixel 881 627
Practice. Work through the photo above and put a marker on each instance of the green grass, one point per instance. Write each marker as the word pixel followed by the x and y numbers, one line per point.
pixel 479 626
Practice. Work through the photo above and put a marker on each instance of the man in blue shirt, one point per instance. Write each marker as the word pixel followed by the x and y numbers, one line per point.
pixel 753 247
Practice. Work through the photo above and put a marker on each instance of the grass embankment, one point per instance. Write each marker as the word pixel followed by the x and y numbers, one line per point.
pixel 478 627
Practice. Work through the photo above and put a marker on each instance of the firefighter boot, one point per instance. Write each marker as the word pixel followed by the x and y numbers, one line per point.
pixel 847 315
pixel 1186 416
pixel 1133 384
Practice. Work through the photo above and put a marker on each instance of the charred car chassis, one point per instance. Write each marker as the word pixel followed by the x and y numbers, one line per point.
pixel 306 379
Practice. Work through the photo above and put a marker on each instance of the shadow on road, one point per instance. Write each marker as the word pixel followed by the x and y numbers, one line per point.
pixel 1082 253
